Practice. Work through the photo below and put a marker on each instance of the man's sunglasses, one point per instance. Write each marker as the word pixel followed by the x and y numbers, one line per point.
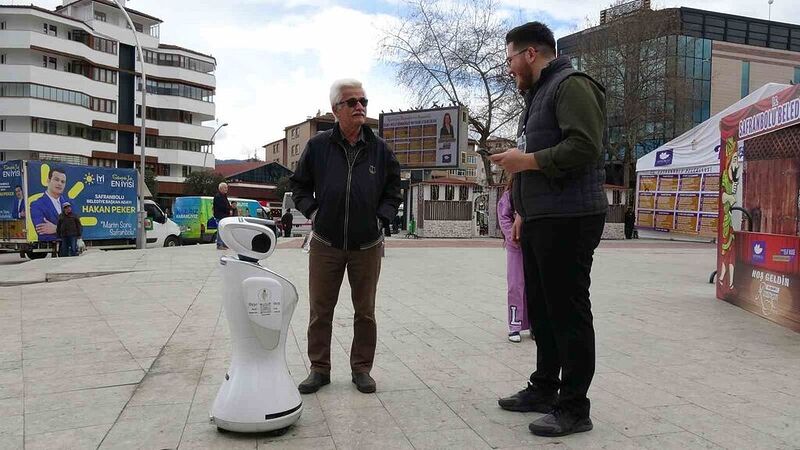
pixel 351 102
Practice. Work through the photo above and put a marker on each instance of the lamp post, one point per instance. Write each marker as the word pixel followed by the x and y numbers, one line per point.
pixel 141 233
pixel 211 141
pixel 769 15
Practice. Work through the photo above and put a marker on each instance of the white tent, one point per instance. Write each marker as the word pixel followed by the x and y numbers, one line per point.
pixel 698 146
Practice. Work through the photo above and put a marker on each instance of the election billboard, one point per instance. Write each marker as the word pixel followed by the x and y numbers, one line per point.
pixel 430 138
pixel 12 196
pixel 103 198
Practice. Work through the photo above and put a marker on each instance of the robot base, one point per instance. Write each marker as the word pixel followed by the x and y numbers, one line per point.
pixel 276 424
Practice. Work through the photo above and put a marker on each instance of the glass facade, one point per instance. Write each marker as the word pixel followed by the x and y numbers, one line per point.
pixel 42 92
pixel 177 89
pixel 173 60
pixel 61 128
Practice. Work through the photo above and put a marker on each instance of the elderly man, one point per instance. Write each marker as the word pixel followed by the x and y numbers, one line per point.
pixel 348 183
pixel 561 206
pixel 222 209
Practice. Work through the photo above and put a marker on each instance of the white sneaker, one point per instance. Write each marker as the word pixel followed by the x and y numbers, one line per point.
pixel 514 337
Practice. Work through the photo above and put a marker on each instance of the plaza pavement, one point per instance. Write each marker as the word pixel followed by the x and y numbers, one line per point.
pixel 127 349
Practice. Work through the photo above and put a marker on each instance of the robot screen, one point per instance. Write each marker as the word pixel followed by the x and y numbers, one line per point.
pixel 261 243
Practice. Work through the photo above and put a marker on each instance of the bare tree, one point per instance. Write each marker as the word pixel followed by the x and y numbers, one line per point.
pixel 453 52
pixel 630 57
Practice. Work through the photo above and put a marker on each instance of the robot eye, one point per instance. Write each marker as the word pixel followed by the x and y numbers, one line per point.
pixel 261 243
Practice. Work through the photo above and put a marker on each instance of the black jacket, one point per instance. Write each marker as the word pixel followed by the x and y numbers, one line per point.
pixel 348 201
pixel 222 207
pixel 68 225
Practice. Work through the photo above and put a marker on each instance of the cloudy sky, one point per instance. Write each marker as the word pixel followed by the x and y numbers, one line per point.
pixel 277 58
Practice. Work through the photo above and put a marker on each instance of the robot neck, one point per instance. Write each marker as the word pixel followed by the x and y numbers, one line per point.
pixel 248 259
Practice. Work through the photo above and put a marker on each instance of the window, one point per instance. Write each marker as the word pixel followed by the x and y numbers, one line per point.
pixel 186 170
pixel 2 124
pixel 50 29
pixel 101 16
pixel 52 63
pixel 745 88
pixel 463 193
pixel 163 170
pixel 434 192
pixel 797 75
pixel 3 58
pixel 2 25
pixel 449 192
pixel 138 27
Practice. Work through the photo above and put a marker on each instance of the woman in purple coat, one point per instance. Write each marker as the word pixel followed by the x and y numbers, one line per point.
pixel 517 310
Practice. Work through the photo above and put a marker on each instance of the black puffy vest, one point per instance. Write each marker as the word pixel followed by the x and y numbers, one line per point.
pixel 580 191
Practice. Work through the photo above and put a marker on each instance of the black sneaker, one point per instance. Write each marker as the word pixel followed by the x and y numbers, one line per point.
pixel 313 382
pixel 529 399
pixel 560 423
pixel 364 383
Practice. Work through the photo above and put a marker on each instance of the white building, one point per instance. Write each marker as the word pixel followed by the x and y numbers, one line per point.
pixel 70 91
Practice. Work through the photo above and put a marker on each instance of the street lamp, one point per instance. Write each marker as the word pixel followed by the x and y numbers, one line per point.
pixel 211 141
pixel 769 16
pixel 140 234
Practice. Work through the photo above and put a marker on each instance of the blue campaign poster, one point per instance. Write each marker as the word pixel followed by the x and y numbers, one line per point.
pixel 103 198
pixel 12 202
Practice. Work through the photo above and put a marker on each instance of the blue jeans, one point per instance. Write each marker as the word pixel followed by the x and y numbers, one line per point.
pixel 219 238
pixel 69 246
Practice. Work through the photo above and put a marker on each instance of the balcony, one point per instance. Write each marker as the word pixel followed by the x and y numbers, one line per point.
pixel 34 39
pixel 52 143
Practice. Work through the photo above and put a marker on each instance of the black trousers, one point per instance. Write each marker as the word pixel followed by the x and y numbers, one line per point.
pixel 557 258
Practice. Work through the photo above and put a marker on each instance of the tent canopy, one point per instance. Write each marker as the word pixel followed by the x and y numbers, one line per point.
pixel 699 146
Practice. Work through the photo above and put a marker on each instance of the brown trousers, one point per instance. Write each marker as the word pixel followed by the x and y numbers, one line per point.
pixel 326 271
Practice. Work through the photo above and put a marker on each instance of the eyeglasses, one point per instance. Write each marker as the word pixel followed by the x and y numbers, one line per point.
pixel 351 102
pixel 511 58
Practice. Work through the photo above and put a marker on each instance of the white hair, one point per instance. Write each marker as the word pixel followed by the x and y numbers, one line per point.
pixel 339 85
pixel 222 185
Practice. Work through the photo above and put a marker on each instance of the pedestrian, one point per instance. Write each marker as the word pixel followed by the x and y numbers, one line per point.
pixel 347 182
pixel 69 230
pixel 286 221
pixel 561 206
pixel 515 276
pixel 234 210
pixel 221 210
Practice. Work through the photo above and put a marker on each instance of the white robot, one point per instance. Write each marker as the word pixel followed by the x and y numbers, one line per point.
pixel 258 393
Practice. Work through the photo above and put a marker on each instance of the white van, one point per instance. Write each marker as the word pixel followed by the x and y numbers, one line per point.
pixel 161 231
pixel 300 225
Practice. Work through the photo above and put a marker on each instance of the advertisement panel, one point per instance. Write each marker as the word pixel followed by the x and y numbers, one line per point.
pixel 12 198
pixel 759 271
pixel 425 138
pixel 682 201
pixel 103 198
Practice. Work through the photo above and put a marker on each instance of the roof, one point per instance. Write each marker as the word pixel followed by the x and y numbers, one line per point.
pixel 233 169
pixel 283 139
pixel 446 180
pixel 47 11
pixel 114 5
pixel 175 47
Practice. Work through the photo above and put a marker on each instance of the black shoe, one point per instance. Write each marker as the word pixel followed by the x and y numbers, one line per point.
pixel 560 423
pixel 364 383
pixel 313 382
pixel 529 399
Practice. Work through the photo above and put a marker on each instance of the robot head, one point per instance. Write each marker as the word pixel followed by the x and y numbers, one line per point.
pixel 249 237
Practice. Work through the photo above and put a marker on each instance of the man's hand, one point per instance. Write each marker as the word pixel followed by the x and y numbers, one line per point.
pixel 46 228
pixel 516 229
pixel 513 161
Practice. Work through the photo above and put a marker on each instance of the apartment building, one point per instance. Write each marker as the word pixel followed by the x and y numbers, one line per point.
pixel 70 91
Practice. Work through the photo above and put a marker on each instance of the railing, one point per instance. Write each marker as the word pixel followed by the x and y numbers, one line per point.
pixel 447 210
pixel 616 214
